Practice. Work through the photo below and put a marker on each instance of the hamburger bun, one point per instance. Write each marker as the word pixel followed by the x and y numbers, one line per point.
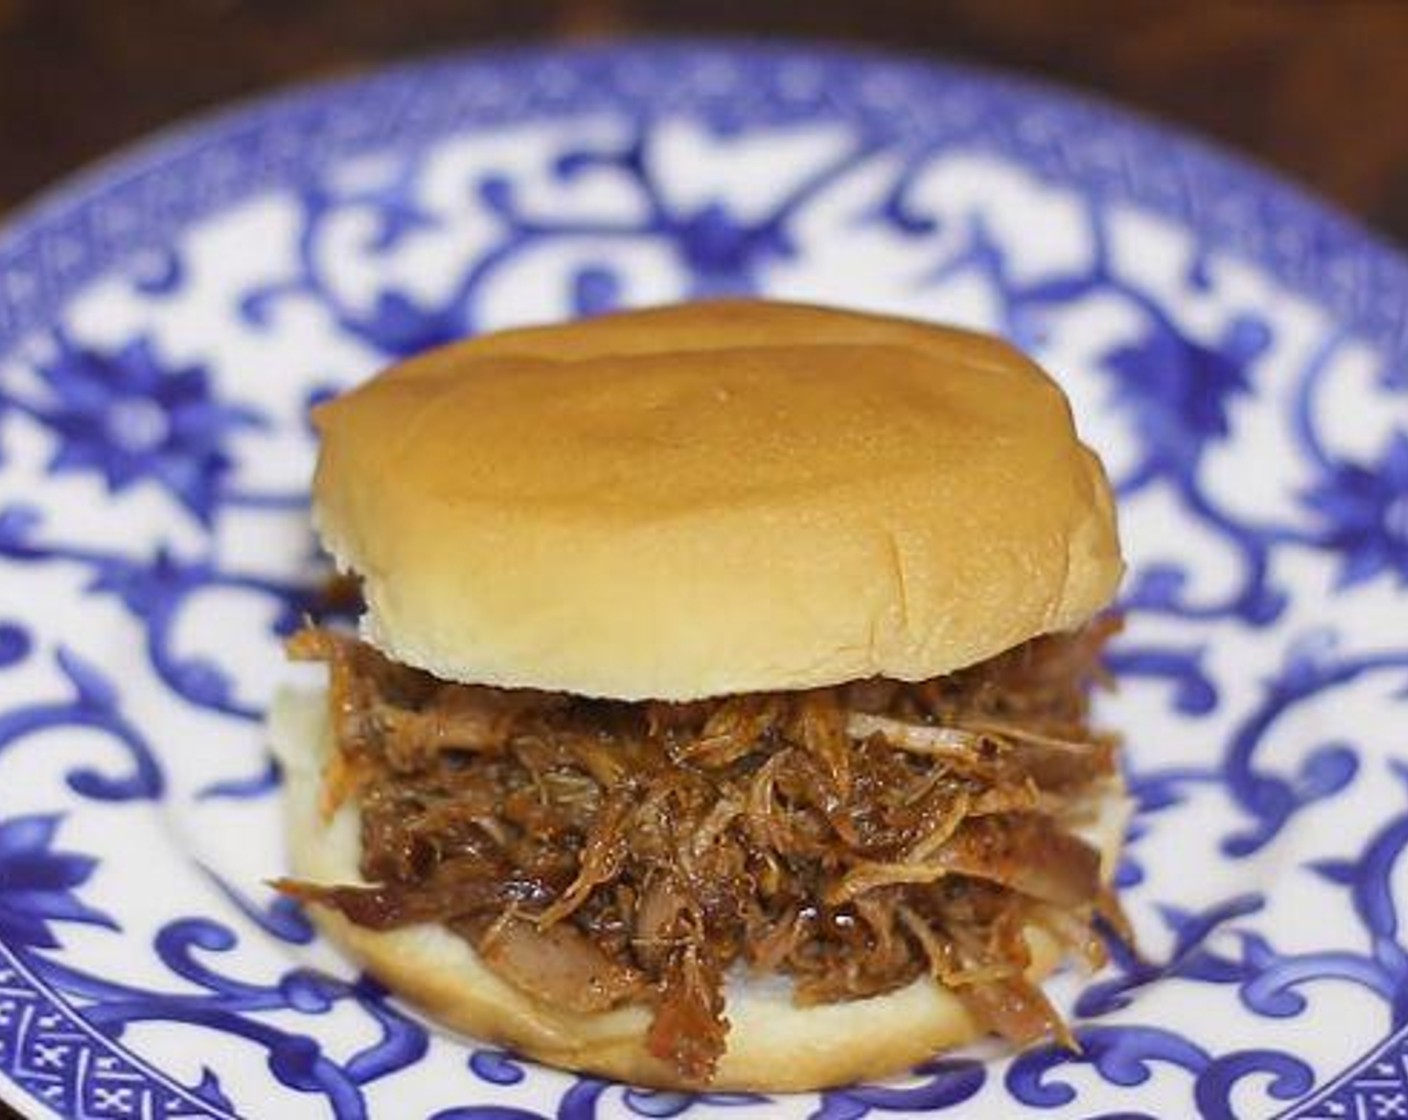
pixel 713 498
pixel 773 1046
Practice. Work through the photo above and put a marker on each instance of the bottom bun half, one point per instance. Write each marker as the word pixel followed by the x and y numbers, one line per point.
pixel 772 1045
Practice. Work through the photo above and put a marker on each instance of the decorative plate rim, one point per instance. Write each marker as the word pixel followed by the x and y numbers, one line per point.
pixel 1355 263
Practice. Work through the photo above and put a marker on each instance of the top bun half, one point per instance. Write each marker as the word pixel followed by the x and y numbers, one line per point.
pixel 713 498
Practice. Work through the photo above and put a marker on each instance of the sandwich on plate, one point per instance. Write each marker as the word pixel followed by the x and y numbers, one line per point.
pixel 719 713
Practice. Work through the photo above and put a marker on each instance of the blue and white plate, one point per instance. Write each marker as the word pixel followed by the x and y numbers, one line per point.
pixel 1237 354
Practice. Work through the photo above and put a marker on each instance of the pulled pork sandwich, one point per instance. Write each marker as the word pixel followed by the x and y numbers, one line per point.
pixel 719 713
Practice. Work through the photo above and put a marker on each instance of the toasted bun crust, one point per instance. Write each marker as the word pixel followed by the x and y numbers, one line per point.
pixel 713 498
pixel 772 1045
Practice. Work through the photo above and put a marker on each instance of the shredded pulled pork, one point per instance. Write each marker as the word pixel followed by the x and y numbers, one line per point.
pixel 856 838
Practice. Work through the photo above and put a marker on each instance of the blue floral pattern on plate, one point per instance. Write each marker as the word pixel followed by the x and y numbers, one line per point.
pixel 1235 352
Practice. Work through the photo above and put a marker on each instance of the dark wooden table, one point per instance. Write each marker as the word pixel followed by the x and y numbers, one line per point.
pixel 1316 88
